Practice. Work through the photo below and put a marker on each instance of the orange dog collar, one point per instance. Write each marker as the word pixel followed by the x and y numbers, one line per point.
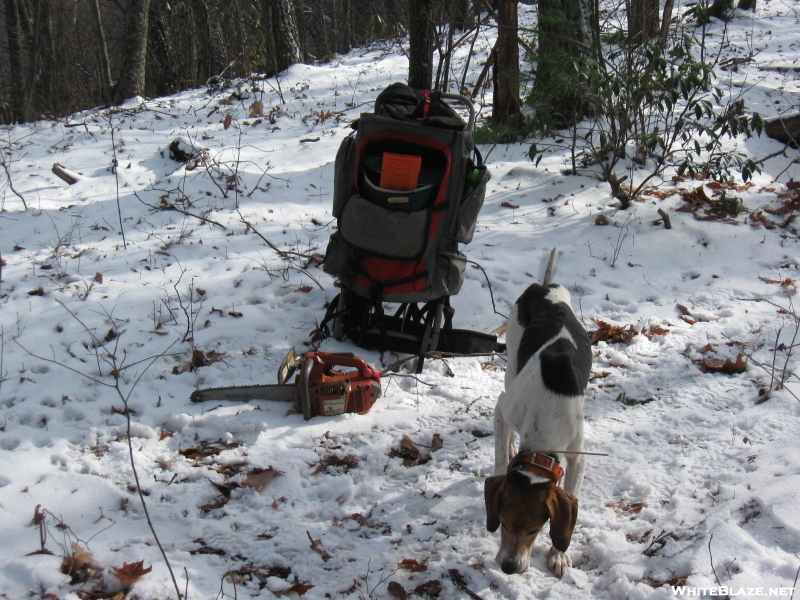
pixel 539 464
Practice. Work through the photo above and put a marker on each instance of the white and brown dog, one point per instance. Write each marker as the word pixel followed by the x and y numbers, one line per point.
pixel 549 361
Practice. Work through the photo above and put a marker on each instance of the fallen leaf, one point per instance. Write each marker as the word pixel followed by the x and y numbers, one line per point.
pixel 397 590
pixel 430 588
pixel 305 289
pixel 612 334
pixel 347 462
pixel 411 564
pixel 409 452
pixel 718 365
pixel 297 588
pixel 509 205
pixel 622 507
pixel 259 478
pixel 601 375
pixel 130 573
pixel 601 220
pixel 315 546
pixel 436 442
pixel 651 332
pixel 256 109
pixel 226 122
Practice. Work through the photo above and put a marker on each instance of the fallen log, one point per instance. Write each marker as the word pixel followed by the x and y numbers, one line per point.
pixel 784 128
pixel 65 174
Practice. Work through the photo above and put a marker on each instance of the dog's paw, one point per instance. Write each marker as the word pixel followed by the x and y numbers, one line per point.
pixel 558 562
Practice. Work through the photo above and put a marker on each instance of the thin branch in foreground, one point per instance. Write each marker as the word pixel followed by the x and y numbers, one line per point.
pixel 172 207
pixel 116 368
pixel 284 254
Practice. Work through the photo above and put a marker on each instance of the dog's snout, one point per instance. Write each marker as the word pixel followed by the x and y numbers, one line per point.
pixel 512 562
pixel 510 566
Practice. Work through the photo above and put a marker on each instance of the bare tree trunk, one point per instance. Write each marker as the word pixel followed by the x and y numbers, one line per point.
pixel 666 19
pixel 721 9
pixel 506 109
pixel 131 80
pixel 15 58
pixel 420 37
pixel 282 36
pixel 566 33
pixel 642 20
pixel 104 67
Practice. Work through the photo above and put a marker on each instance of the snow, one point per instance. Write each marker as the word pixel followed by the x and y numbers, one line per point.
pixel 700 485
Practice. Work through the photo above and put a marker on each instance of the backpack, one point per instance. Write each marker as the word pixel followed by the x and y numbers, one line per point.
pixel 408 186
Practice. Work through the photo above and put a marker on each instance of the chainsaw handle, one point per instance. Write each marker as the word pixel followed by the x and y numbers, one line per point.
pixel 326 359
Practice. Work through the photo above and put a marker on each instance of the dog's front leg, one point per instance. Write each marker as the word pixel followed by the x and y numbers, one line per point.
pixel 576 467
pixel 503 439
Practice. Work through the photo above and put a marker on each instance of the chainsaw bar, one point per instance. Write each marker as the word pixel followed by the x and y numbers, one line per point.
pixel 274 392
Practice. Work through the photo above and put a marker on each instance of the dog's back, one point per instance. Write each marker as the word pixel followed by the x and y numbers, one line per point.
pixel 542 320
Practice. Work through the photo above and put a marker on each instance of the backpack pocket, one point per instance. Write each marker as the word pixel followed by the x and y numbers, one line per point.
pixel 343 178
pixel 382 232
pixel 337 256
pixel 471 203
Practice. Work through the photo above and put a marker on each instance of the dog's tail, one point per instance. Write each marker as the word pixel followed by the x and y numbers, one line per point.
pixel 562 370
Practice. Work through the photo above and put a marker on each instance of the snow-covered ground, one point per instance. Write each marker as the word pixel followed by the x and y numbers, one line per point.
pixel 701 485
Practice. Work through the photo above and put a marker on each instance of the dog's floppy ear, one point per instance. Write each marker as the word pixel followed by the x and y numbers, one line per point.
pixel 491 494
pixel 563 509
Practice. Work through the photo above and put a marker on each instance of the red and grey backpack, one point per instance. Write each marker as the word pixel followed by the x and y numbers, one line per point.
pixel 408 186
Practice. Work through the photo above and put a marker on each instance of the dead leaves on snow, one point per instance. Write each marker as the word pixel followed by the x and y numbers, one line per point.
pixel 199 359
pixel 79 565
pixel 431 588
pixel 622 334
pixel 719 365
pixel 411 455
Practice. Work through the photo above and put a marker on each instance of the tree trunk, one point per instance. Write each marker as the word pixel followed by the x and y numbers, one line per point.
pixel 131 79
pixel 282 36
pixel 642 20
pixel 721 9
pixel 462 14
pixel 103 65
pixel 14 36
pixel 506 109
pixel 420 37
pixel 566 34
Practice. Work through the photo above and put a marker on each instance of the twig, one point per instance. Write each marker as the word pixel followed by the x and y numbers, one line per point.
pixel 11 183
pixel 665 218
pixel 116 178
pixel 711 558
pixel 488 283
pixel 284 254
pixel 458 579
pixel 572 452
pixel 117 367
pixel 548 274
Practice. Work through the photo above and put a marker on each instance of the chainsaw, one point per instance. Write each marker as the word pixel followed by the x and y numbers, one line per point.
pixel 318 389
